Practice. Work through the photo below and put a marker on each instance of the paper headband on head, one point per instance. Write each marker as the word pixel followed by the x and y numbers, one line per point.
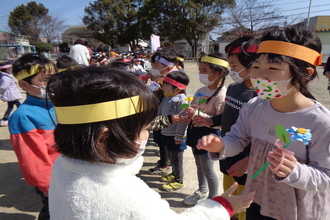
pixel 66 69
pixel 216 61
pixel 180 59
pixel 33 70
pixel 251 49
pixel 6 66
pixel 97 112
pixel 163 61
pixel 291 50
pixel 174 83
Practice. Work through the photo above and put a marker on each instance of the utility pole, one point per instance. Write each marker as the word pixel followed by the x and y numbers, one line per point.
pixel 309 12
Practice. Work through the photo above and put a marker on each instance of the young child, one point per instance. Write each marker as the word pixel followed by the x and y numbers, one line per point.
pixel 65 63
pixel 32 125
pixel 240 54
pixel 162 62
pixel 137 67
pixel 293 186
pixel 213 71
pixel 95 178
pixel 173 136
pixel 8 90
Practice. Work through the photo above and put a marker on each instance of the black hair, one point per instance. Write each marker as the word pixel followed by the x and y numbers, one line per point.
pixel 167 53
pixel 245 58
pixel 179 77
pixel 92 85
pixel 4 63
pixel 298 67
pixel 66 62
pixel 180 55
pixel 216 68
pixel 26 61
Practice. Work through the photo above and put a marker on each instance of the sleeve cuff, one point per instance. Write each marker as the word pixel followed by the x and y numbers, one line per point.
pixel 224 202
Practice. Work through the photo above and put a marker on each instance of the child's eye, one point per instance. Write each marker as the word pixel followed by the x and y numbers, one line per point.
pixel 255 67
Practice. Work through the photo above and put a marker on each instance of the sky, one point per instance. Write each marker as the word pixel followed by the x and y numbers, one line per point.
pixel 72 11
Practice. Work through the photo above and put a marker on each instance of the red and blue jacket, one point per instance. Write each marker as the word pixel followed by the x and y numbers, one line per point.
pixel 31 129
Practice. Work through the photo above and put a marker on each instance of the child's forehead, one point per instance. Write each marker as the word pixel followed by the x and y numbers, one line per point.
pixel 203 65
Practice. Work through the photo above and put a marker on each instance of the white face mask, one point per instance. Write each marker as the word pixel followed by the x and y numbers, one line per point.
pixel 236 77
pixel 267 89
pixel 156 73
pixel 42 91
pixel 140 151
pixel 204 78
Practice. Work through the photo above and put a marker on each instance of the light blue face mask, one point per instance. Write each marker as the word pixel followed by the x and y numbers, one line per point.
pixel 42 92
pixel 156 73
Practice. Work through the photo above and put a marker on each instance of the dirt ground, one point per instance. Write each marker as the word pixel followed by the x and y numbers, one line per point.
pixel 20 202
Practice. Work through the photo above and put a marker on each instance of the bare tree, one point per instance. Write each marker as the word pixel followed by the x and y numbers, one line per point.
pixel 252 15
pixel 51 27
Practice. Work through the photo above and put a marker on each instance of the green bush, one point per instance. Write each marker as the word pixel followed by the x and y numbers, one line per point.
pixel 41 47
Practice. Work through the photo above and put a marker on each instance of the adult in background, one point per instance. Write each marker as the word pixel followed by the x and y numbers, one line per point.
pixel 80 53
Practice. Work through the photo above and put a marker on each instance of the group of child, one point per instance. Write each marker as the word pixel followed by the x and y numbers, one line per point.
pixel 101 151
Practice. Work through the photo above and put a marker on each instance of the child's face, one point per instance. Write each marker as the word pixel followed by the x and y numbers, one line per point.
pixel 236 66
pixel 40 79
pixel 204 68
pixel 168 88
pixel 264 69
pixel 159 66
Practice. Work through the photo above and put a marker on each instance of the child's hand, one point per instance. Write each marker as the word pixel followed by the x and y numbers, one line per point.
pixel 189 112
pixel 239 168
pixel 211 143
pixel 202 121
pixel 277 166
pixel 239 203
pixel 327 74
pixel 177 141
pixel 176 119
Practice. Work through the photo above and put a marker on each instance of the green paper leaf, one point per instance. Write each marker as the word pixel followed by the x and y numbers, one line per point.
pixel 282 134
pixel 202 101
pixel 184 106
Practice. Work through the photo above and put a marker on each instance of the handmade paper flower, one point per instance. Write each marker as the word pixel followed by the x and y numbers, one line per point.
pixel 200 94
pixel 189 99
pixel 300 134
pixel 178 98
pixel 153 86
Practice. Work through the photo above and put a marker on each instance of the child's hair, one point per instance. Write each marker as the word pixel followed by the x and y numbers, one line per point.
pixel 179 77
pixel 92 85
pixel 4 64
pixel 246 56
pixel 297 67
pixel 66 62
pixel 216 68
pixel 166 53
pixel 29 60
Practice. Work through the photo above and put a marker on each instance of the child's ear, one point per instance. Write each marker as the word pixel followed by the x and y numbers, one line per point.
pixel 101 141
pixel 24 85
pixel 310 70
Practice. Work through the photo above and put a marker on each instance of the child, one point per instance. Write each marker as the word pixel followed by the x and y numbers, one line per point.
pixel 326 72
pixel 137 66
pixel 240 54
pixel 65 63
pixel 293 186
pixel 173 136
pixel 95 178
pixel 8 90
pixel 31 126
pixel 162 62
pixel 213 71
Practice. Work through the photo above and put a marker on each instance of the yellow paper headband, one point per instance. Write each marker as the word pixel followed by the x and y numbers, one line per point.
pixel 104 111
pixel 291 50
pixel 180 59
pixel 33 70
pixel 66 69
pixel 215 61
